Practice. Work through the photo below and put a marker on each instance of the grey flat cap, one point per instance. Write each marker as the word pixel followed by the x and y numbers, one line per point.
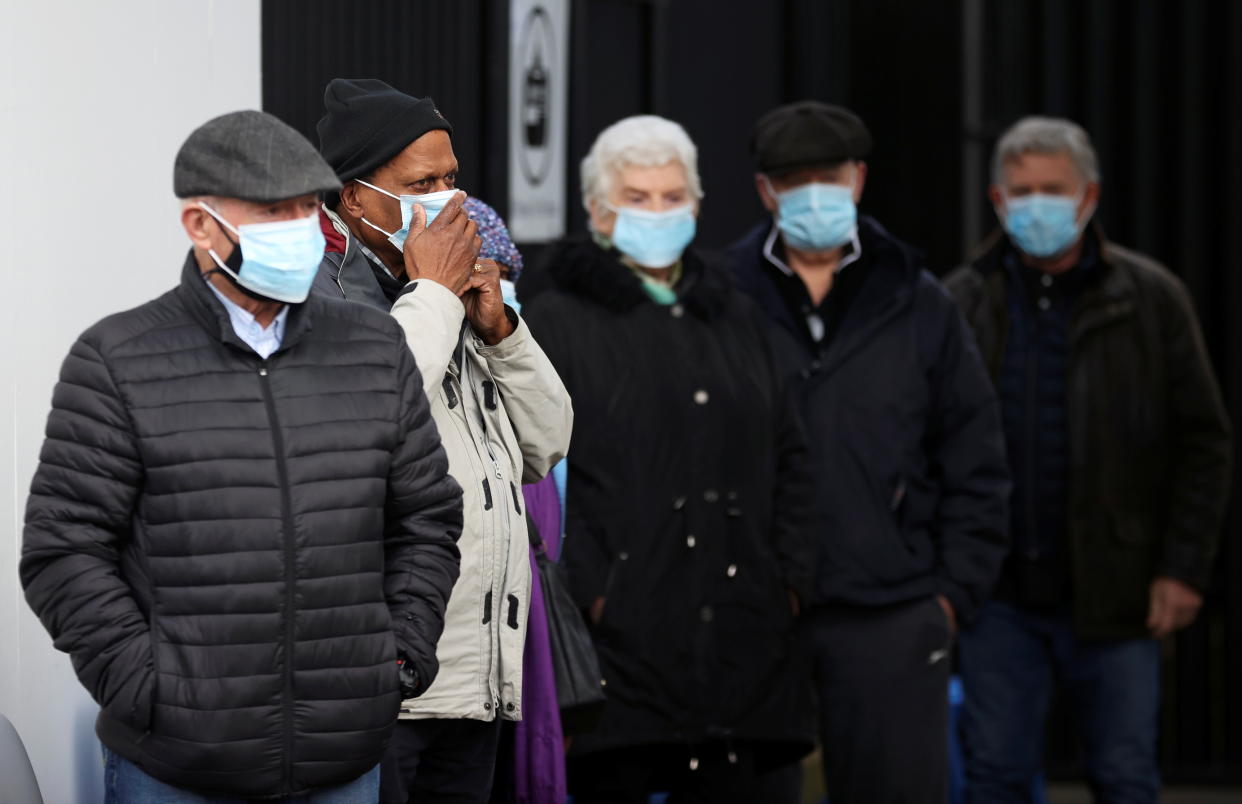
pixel 252 156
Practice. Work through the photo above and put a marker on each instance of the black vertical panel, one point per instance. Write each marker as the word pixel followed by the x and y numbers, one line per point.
pixel 1157 83
pixel 1098 69
pixel 912 109
pixel 610 79
pixel 1139 182
pixel 426 49
pixel 717 89
pixel 817 48
pixel 1193 674
pixel 1227 204
pixel 1058 57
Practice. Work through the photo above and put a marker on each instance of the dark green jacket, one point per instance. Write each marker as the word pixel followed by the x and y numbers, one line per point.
pixel 1150 441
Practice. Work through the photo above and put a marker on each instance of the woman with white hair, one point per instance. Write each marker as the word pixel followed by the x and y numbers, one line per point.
pixel 688 505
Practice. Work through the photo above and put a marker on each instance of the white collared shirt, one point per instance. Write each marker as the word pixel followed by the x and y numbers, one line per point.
pixel 848 259
pixel 263 340
pixel 813 322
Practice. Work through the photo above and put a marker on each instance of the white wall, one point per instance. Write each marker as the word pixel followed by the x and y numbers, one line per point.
pixel 94 102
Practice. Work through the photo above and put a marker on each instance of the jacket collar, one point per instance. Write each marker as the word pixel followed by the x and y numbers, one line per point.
pixel 348 266
pixel 582 267
pixel 209 312
pixel 1110 297
pixel 893 269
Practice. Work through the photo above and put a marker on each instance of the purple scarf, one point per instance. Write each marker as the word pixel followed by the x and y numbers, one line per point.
pixel 538 743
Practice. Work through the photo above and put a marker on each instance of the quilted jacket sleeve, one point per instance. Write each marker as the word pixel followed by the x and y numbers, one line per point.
pixel 78 519
pixel 423 522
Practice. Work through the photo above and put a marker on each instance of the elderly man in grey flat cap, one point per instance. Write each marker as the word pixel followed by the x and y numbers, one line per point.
pixel 242 529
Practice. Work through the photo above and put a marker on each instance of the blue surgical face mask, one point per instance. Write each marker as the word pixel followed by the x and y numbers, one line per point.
pixel 653 239
pixel 279 260
pixel 1042 225
pixel 433 203
pixel 816 216
pixel 508 292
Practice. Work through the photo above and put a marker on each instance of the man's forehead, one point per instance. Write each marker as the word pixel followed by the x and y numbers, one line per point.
pixel 431 152
pixel 811 171
pixel 1042 162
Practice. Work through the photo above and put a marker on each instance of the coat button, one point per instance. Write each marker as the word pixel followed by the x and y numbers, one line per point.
pixel 732 570
pixel 487 705
pixel 700 397
pixel 1044 304
pixel 624 556
pixel 679 503
pixel 1046 281
pixel 509 707
pixel 603 682
pixel 711 495
pixel 677 311
pixel 691 541
pixel 706 614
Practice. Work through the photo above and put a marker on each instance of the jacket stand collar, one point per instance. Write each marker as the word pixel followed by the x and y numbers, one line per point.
pixel 210 314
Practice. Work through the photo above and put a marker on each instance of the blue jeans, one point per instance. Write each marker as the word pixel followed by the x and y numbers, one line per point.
pixel 125 783
pixel 1009 661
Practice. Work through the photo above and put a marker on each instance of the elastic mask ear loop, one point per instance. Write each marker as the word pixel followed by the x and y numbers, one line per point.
pixel 396 198
pixel 376 228
pixel 222 268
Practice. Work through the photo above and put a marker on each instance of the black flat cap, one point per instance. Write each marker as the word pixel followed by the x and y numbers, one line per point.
pixel 808 133
pixel 250 155
pixel 368 123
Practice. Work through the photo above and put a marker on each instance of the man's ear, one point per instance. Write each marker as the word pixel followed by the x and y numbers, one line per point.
pixel 860 180
pixel 997 196
pixel 198 225
pixel 1090 197
pixel 766 196
pixel 349 199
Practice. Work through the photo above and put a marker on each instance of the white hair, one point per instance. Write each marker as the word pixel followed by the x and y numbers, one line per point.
pixel 641 141
pixel 1046 135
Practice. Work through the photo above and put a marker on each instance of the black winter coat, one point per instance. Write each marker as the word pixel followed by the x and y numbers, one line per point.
pixel 688 504
pixel 234 550
pixel 904 432
pixel 1150 444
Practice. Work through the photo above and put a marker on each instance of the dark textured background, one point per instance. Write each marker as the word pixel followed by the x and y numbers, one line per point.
pixel 1158 83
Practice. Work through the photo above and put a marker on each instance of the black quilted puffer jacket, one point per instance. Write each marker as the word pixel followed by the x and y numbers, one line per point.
pixel 234 550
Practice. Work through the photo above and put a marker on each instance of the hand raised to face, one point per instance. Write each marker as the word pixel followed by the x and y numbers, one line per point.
pixel 444 251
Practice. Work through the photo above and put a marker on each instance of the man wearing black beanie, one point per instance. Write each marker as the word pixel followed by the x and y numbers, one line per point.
pixel 400 241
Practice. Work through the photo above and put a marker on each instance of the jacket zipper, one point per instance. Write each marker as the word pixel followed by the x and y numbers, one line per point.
pixel 497 577
pixel 337 278
pixel 286 513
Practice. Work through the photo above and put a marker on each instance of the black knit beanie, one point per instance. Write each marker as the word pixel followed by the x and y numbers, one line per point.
pixel 368 123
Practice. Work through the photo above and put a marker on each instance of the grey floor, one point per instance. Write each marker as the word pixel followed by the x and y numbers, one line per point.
pixel 1078 794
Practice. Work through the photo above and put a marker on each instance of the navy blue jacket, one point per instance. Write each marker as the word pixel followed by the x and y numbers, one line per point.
pixel 904 430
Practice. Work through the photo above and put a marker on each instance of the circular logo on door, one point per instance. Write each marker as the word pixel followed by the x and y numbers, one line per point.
pixel 537 48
